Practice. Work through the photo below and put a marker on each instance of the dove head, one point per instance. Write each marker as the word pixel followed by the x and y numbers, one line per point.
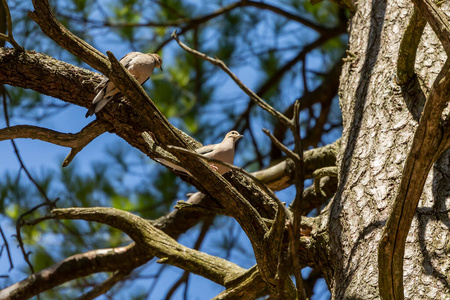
pixel 158 60
pixel 234 135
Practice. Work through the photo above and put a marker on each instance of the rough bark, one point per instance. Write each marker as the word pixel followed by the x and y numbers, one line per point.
pixel 380 119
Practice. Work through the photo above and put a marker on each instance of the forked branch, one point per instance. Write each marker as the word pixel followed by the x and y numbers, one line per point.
pixel 9 37
pixel 75 141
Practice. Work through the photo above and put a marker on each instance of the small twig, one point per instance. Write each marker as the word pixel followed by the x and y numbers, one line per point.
pixel 104 286
pixel 85 136
pixel 38 220
pixel 7 249
pixel 289 153
pixel 16 151
pixel 9 38
pixel 296 208
pixel 20 223
pixel 264 105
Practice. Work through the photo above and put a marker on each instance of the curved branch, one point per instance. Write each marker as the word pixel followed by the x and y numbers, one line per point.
pixel 9 38
pixel 76 141
pixel 76 266
pixel 431 139
pixel 437 20
pixel 408 47
pixel 156 242
pixel 104 286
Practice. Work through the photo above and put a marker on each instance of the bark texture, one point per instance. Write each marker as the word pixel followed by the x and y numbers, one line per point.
pixel 380 118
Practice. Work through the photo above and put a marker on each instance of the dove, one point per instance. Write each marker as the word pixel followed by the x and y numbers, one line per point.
pixel 140 65
pixel 224 151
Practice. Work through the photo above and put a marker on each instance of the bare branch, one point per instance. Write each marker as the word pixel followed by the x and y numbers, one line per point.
pixel 431 139
pixel 320 173
pixel 298 201
pixel 408 47
pixel 9 38
pixel 103 260
pixel 76 141
pixel 6 245
pixel 437 20
pixel 264 105
pixel 104 286
pixel 157 242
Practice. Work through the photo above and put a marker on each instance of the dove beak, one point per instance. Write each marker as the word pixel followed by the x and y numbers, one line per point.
pixel 240 136
pixel 160 67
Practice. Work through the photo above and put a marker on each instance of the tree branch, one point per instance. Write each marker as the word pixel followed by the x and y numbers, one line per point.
pixel 76 266
pixel 76 141
pixel 437 20
pixel 408 47
pixel 9 38
pixel 264 105
pixel 104 286
pixel 431 139
pixel 156 242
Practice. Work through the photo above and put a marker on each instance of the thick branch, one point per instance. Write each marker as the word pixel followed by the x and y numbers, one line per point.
pixel 76 266
pixel 431 139
pixel 437 20
pixel 48 76
pixel 408 47
pixel 157 243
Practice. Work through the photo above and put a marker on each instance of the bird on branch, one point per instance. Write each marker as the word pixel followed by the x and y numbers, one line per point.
pixel 140 65
pixel 224 151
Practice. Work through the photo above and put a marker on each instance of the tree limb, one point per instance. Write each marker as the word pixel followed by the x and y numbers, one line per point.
pixel 156 242
pixel 431 139
pixel 408 47
pixel 104 286
pixel 9 38
pixel 76 141
pixel 437 20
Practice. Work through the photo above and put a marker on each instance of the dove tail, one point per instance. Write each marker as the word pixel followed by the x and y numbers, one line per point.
pixel 98 103
pixel 99 96
pixel 91 111
pixel 173 166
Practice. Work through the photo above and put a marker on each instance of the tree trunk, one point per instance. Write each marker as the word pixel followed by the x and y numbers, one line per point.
pixel 380 118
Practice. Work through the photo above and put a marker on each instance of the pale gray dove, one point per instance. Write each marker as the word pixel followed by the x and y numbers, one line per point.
pixel 224 151
pixel 140 65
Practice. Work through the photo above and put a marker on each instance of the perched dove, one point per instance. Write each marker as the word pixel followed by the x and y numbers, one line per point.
pixel 140 65
pixel 224 151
